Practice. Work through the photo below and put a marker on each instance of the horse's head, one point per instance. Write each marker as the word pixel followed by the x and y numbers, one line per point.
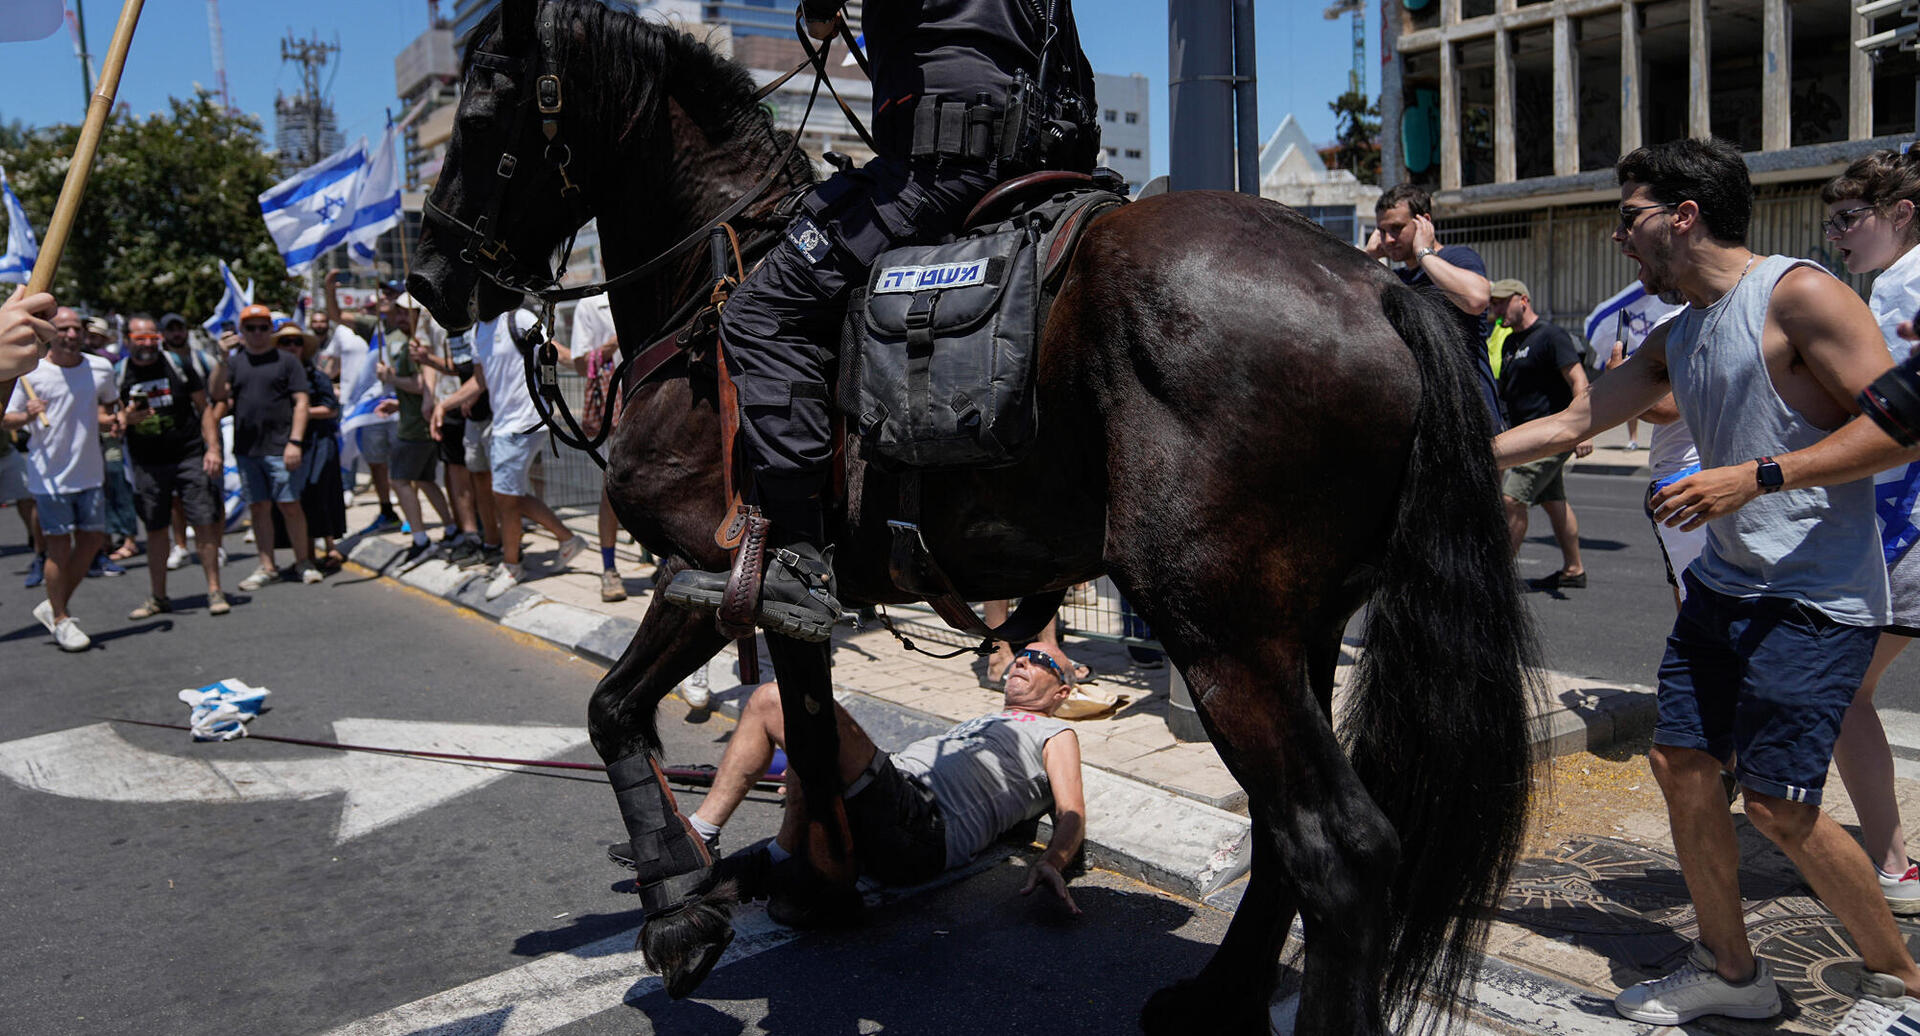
pixel 514 185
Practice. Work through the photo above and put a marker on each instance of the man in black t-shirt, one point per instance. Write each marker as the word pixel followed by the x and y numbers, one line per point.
pixel 267 391
pixel 173 443
pixel 1540 374
pixel 1403 234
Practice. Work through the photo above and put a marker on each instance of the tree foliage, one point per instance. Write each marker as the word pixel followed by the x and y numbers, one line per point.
pixel 1358 121
pixel 170 196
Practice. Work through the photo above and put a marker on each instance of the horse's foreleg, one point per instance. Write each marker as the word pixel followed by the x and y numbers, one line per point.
pixel 826 895
pixel 687 928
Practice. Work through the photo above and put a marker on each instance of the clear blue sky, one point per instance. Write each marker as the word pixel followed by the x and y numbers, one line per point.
pixel 1303 58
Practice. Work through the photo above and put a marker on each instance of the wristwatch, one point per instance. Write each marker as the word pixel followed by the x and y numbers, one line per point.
pixel 1424 252
pixel 1768 475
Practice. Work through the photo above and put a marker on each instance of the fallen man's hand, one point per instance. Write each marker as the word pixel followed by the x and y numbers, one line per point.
pixel 1044 870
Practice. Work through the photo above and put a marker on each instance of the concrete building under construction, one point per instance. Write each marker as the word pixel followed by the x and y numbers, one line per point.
pixel 1515 112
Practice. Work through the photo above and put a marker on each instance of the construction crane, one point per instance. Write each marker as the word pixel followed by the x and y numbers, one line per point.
pixel 1357 77
pixel 219 54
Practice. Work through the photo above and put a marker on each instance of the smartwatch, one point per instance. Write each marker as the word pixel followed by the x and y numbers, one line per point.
pixel 1768 475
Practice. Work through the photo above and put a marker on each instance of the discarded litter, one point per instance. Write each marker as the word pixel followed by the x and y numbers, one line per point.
pixel 221 711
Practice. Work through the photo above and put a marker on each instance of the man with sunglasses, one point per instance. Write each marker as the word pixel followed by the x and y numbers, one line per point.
pixel 1784 604
pixel 929 807
pixel 267 391
pixel 63 403
pixel 173 440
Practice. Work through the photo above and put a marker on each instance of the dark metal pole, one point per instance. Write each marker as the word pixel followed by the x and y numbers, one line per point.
pixel 80 44
pixel 1246 100
pixel 1392 163
pixel 1200 94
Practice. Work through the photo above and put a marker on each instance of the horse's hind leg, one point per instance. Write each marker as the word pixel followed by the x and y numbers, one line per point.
pixel 1323 848
pixel 687 924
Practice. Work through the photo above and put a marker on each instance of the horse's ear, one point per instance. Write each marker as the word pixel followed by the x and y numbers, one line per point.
pixel 516 21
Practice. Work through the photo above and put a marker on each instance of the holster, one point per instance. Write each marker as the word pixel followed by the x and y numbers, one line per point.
pixel 671 861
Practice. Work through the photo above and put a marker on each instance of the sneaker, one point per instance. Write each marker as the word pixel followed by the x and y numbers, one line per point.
pixel 464 554
pixel 36 572
pixel 260 577
pixel 384 523
pixel 44 613
pixel 1883 1007
pixel 571 549
pixel 798 595
pixel 491 556
pixel 1903 892
pixel 104 566
pixel 217 603
pixel 1695 989
pixel 414 556
pixel 154 606
pixel 505 577
pixel 612 587
pixel 696 691
pixel 67 634
pixel 177 557
pixel 311 574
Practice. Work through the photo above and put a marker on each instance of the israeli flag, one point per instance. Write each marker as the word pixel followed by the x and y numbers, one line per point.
pixel 232 301
pixel 1626 317
pixel 360 400
pixel 377 205
pixel 860 41
pixel 314 210
pixel 22 250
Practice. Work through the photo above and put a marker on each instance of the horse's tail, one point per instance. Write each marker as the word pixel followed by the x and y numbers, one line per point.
pixel 1437 725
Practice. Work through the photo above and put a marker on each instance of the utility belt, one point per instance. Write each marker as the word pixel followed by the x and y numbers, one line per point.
pixel 1026 133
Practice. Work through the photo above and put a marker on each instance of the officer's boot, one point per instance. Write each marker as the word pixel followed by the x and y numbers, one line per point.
pixel 799 596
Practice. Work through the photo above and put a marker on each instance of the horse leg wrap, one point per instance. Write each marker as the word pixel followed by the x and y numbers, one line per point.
pixel 741 602
pixel 672 862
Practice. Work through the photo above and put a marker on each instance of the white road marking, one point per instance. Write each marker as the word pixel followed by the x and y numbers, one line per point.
pixel 94 762
pixel 555 990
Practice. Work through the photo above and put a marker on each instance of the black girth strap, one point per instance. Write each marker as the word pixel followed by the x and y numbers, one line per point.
pixel 914 570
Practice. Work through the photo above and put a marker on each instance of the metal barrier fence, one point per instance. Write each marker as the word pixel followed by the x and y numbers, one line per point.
pixel 1093 611
pixel 571 478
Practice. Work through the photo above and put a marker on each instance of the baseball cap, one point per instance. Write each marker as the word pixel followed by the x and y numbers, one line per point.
pixel 1508 287
pixel 172 318
pixel 256 312
pixel 98 326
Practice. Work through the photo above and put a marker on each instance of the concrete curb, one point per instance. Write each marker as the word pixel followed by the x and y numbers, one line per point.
pixel 1167 840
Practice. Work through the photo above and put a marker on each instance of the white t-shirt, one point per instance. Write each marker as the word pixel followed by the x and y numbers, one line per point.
pixel 592 325
pixel 351 352
pixel 506 378
pixel 1896 295
pixel 64 456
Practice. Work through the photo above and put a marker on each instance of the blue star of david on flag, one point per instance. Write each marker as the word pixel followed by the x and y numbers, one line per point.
pixel 1893 503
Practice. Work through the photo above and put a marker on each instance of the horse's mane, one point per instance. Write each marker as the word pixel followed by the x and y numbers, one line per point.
pixel 626 58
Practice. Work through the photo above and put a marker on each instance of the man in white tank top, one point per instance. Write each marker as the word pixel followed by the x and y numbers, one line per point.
pixel 928 807
pixel 1784 604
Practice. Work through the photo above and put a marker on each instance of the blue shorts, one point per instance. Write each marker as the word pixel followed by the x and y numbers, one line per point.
pixel 1763 680
pixel 512 455
pixel 267 478
pixel 63 513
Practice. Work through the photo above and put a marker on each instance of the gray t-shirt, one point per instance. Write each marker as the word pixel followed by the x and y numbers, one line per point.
pixel 988 774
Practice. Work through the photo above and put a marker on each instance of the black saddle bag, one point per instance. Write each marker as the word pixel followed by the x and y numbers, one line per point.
pixel 938 371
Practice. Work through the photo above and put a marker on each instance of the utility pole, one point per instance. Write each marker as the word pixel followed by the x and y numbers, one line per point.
pixel 311 55
pixel 80 51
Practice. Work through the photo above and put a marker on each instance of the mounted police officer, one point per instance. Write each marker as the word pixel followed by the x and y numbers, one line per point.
pixel 966 94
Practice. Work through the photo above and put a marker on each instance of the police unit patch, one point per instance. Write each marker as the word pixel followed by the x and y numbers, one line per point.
pixel 920 278
pixel 809 239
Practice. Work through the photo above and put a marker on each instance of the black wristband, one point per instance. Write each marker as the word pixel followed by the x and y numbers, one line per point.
pixel 1893 403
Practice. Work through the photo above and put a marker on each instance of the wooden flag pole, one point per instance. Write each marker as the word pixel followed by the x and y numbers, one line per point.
pixel 61 226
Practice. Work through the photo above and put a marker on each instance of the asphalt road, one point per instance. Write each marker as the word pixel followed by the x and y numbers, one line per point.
pixel 181 915
pixel 1616 628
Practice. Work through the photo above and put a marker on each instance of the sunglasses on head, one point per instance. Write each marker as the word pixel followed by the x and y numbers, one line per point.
pixel 1042 658
pixel 256 327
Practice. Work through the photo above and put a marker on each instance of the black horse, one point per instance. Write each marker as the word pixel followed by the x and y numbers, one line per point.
pixel 1252 428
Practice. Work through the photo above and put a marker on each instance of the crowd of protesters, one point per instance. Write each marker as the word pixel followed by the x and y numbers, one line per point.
pixel 121 439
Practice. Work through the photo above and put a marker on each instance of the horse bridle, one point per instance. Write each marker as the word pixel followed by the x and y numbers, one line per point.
pixel 489 254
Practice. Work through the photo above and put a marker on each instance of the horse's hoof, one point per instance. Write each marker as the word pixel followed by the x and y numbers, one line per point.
pixel 802 899
pixel 683 946
pixel 1193 1006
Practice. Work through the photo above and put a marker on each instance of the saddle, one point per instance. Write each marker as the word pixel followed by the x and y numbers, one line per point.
pixel 910 373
